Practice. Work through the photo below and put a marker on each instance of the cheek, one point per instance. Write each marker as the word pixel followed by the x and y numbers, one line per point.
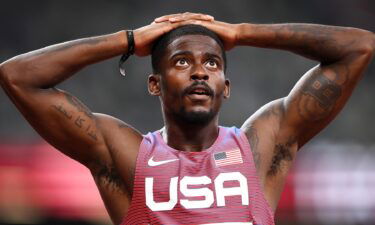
pixel 220 88
pixel 172 87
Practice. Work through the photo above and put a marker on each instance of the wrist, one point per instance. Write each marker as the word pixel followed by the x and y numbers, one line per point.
pixel 131 43
pixel 238 33
pixel 130 48
pixel 244 33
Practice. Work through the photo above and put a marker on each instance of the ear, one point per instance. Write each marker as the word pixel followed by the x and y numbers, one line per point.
pixel 227 89
pixel 154 84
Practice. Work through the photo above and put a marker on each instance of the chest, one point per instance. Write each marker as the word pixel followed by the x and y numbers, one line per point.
pixel 195 180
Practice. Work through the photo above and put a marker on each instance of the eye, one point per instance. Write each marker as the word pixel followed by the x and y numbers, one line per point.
pixel 182 62
pixel 212 64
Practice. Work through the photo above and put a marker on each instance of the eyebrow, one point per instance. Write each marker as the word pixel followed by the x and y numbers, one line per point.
pixel 181 53
pixel 212 55
pixel 206 55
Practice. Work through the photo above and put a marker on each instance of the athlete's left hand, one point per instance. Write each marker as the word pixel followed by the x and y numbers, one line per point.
pixel 226 31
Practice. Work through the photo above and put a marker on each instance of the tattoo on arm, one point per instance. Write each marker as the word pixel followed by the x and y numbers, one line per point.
pixel 322 95
pixel 61 110
pixel 319 42
pixel 78 120
pixel 325 91
pixel 78 105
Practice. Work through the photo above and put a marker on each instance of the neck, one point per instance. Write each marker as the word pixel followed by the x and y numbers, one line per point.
pixel 190 138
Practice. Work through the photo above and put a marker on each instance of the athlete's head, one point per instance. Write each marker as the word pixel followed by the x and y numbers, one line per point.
pixel 189 66
pixel 160 45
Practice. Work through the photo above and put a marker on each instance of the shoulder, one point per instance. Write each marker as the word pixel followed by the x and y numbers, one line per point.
pixel 121 139
pixel 115 131
pixel 268 118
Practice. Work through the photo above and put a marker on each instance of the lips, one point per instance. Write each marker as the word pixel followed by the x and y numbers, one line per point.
pixel 199 91
pixel 198 88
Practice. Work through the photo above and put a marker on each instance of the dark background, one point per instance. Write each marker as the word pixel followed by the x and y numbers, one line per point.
pixel 257 75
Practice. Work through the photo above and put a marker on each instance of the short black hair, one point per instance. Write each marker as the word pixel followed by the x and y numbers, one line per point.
pixel 160 45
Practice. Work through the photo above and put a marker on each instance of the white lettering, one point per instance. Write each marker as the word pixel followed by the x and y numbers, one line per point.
pixel 161 206
pixel 206 192
pixel 222 192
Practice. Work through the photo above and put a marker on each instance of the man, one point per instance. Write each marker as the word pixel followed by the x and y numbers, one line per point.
pixel 192 171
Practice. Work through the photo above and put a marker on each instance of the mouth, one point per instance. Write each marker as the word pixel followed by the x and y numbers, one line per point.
pixel 199 88
pixel 199 93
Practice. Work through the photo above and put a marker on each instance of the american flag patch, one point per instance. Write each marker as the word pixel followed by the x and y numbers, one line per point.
pixel 228 158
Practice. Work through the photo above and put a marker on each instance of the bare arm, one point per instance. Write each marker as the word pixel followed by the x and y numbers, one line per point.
pixel 29 80
pixel 280 128
pixel 285 125
pixel 343 54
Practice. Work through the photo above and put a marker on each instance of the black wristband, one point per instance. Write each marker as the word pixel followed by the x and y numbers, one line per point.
pixel 129 52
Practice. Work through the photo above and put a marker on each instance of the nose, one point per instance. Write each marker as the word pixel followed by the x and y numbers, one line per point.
pixel 199 74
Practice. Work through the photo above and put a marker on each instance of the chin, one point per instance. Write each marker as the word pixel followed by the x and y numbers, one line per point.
pixel 195 117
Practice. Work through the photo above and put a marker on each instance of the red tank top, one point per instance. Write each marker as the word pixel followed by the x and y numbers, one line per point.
pixel 218 185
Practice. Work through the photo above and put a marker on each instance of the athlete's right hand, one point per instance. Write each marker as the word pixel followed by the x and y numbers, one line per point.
pixel 144 37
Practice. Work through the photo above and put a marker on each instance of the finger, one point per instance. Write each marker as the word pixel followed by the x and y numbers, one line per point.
pixel 186 22
pixel 191 17
pixel 166 17
pixel 209 18
pixel 184 16
pixel 197 16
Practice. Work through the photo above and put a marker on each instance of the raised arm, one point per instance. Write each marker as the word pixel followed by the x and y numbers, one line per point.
pixel 280 128
pixel 29 80
pixel 343 54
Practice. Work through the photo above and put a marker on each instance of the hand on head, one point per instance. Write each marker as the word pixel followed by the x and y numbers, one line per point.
pixel 227 32
pixel 145 36
pixel 179 17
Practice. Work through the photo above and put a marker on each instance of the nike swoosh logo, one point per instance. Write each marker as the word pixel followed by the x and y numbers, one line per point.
pixel 151 161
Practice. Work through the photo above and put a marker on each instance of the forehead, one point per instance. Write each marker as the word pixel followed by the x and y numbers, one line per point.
pixel 194 43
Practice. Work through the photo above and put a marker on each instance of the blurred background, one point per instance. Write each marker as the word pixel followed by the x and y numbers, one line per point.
pixel 332 182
